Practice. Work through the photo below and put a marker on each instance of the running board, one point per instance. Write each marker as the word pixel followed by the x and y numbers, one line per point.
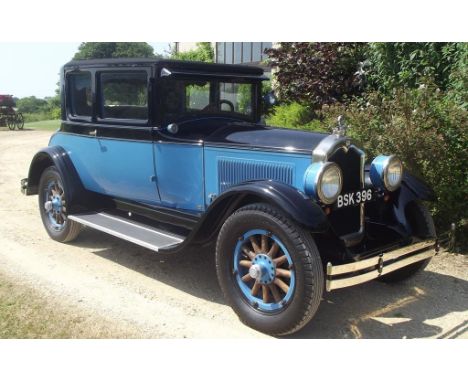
pixel 137 233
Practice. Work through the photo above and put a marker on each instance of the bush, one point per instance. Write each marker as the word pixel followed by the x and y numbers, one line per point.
pixel 36 117
pixel 294 116
pixel 428 131
pixel 317 73
pixel 408 64
pixel 36 109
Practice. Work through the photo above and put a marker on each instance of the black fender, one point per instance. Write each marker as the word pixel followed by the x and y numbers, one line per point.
pixel 76 194
pixel 412 188
pixel 304 211
pixel 418 187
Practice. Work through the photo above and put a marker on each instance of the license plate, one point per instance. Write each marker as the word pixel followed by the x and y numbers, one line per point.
pixel 354 198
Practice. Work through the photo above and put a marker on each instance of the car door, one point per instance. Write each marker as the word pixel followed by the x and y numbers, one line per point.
pixel 113 152
pixel 125 149
pixel 178 161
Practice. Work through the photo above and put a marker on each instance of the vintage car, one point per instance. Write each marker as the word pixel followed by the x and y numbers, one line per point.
pixel 170 154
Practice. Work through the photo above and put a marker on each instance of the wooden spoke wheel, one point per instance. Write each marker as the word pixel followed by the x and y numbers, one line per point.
pixel 19 121
pixel 269 269
pixel 11 122
pixel 264 270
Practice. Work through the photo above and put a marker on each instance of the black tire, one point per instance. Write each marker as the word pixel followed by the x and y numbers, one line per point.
pixel 10 123
pixel 308 269
pixel 20 121
pixel 423 227
pixel 69 229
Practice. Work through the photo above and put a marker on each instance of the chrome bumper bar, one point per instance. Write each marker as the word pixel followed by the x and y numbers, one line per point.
pixel 342 276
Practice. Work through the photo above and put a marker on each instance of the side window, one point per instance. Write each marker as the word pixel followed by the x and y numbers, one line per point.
pixel 124 95
pixel 79 93
pixel 238 97
pixel 197 96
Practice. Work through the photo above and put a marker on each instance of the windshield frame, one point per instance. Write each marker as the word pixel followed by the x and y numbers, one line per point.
pixel 253 117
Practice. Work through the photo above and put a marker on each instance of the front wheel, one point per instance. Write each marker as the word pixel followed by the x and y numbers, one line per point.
pixel 53 207
pixel 269 270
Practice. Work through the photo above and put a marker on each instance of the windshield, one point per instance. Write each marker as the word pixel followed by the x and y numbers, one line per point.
pixel 195 98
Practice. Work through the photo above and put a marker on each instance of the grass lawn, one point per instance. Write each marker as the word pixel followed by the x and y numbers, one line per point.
pixel 27 313
pixel 51 125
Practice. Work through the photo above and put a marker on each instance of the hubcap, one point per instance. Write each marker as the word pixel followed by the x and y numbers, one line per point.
pixel 54 205
pixel 264 271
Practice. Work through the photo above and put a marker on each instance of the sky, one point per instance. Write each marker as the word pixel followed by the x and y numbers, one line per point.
pixel 32 69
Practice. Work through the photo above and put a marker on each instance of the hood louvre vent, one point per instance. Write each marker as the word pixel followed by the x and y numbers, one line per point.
pixel 235 171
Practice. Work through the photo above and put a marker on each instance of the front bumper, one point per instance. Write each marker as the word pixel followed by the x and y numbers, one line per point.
pixel 342 276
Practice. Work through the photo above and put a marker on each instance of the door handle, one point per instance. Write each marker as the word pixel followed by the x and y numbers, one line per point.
pixel 93 132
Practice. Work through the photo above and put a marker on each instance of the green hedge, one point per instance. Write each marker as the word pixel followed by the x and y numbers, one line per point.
pixel 294 116
pixel 42 115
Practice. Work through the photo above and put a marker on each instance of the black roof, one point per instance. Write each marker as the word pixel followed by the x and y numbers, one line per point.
pixel 170 64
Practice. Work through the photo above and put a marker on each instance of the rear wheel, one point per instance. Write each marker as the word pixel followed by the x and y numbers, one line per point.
pixel 423 227
pixel 11 122
pixel 269 270
pixel 53 207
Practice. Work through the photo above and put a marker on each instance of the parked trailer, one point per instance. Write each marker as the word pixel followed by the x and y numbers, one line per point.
pixel 9 116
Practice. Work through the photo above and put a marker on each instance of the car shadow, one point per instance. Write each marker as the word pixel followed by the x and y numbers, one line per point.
pixel 410 309
pixel 415 308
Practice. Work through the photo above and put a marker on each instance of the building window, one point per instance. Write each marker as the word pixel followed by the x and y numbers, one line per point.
pixel 256 51
pixel 265 45
pixel 220 46
pixel 238 53
pixel 247 51
pixel 229 57
pixel 241 52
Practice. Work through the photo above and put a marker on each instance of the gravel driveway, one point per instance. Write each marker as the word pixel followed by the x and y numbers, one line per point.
pixel 166 297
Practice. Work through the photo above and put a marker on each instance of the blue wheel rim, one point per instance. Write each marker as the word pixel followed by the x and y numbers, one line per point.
pixel 54 205
pixel 274 271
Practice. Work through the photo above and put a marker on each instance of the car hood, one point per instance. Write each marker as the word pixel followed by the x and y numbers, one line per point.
pixel 265 137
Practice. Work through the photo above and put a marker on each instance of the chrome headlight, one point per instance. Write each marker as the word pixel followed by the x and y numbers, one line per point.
pixel 323 181
pixel 387 172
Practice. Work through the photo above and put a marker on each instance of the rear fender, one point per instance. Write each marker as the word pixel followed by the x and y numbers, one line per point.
pixel 57 156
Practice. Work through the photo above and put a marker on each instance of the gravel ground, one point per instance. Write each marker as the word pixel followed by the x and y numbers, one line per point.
pixel 147 295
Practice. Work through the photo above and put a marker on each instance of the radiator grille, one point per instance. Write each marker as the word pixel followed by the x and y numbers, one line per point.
pixel 348 220
pixel 235 171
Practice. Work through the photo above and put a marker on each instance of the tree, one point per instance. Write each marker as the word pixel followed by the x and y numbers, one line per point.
pixel 316 73
pixel 204 52
pixel 31 104
pixel 89 50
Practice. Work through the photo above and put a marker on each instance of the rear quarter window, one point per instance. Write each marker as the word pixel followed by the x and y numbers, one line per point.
pixel 80 94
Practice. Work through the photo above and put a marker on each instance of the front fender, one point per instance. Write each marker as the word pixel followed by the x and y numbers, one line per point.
pixel 289 200
pixel 411 189
pixel 419 188
pixel 58 157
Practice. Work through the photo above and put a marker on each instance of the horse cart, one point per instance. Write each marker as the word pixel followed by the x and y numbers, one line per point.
pixel 9 116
